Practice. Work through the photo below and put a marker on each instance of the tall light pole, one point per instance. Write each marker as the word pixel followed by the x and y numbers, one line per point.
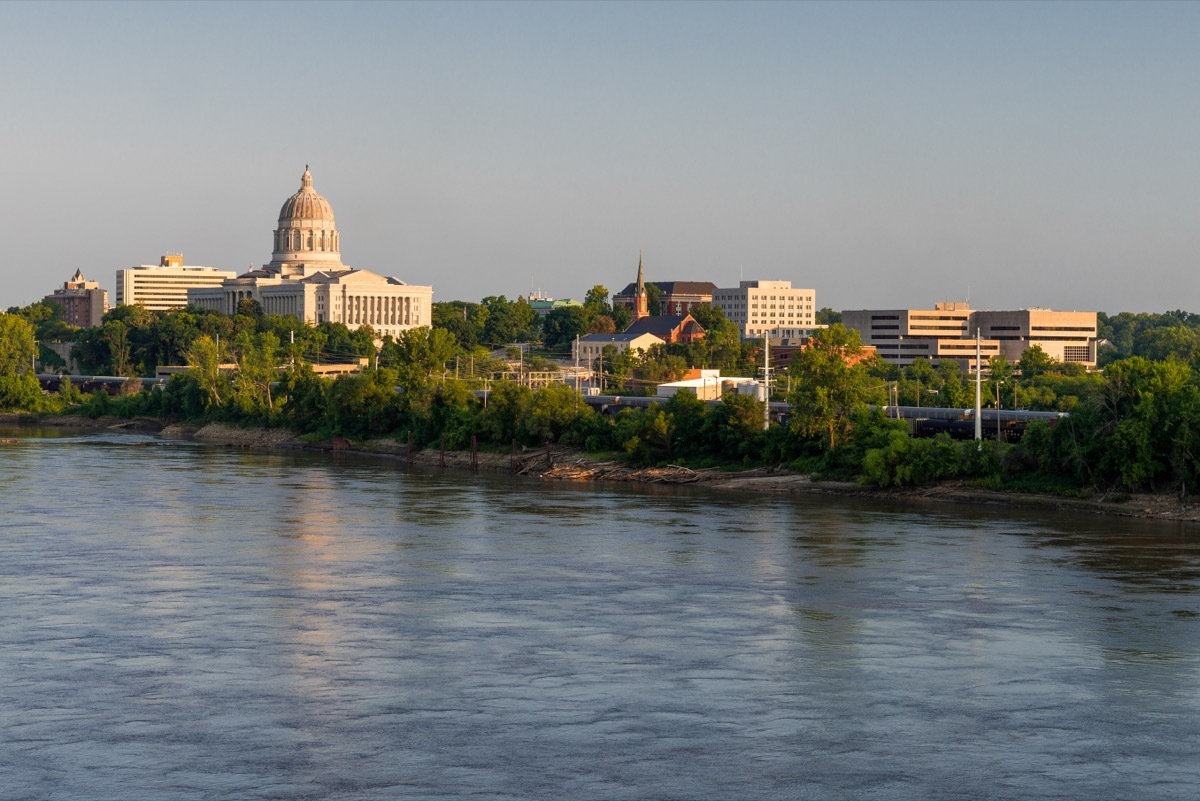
pixel 978 388
pixel 766 380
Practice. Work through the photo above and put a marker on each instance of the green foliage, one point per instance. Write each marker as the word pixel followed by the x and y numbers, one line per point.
pixel 828 385
pixel 46 318
pixel 363 406
pixel 563 324
pixel 905 460
pixel 654 299
pixel 257 368
pixel 507 321
pixel 204 359
pixel 1132 334
pixel 464 321
pixel 20 392
pixel 1134 427
pixel 557 414
pixel 646 435
pixel 1035 362
pixel 733 430
pixel 17 348
pixel 597 300
pixel 504 412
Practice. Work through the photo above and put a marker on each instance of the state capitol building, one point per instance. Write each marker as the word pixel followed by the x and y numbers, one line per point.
pixel 306 277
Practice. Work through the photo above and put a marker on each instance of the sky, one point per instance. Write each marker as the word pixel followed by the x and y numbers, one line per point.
pixel 884 154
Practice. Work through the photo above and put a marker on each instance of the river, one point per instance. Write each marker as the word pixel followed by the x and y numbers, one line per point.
pixel 182 621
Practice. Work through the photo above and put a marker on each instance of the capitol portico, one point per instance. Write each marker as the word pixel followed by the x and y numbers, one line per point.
pixel 306 277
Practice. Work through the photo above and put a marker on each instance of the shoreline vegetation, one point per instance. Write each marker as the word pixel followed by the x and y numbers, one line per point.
pixel 570 464
pixel 1124 439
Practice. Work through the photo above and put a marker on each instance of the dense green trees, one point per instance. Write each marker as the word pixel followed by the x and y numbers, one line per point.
pixel 562 325
pixel 829 384
pixel 1134 426
pixel 18 386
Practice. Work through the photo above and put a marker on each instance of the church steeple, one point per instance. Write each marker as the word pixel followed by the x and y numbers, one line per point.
pixel 641 305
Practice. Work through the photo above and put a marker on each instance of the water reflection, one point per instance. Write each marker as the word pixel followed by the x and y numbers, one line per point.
pixel 213 623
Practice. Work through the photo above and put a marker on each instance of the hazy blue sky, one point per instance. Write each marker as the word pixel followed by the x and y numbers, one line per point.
pixel 890 154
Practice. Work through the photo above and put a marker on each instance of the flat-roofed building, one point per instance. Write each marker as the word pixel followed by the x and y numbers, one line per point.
pixel 165 285
pixel 947 331
pixel 773 308
pixel 1066 336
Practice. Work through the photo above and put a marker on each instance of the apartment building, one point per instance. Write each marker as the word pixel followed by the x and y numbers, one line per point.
pixel 83 302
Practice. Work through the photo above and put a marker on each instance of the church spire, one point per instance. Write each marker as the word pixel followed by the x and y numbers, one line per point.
pixel 641 305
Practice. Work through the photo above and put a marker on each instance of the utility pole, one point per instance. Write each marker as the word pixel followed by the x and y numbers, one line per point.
pixel 978 388
pixel 766 380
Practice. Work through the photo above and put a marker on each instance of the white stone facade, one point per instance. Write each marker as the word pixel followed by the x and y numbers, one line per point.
pixel 306 277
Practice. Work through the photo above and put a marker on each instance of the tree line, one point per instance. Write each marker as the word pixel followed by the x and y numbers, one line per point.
pixel 1133 426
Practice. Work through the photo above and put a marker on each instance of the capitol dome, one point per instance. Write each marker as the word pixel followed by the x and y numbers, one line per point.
pixel 306 204
pixel 307 233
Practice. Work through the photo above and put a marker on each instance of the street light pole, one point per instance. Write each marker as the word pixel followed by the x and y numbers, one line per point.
pixel 978 387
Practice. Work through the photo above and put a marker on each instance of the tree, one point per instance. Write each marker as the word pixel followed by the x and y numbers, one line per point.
pixel 563 324
pixel 463 320
pixel 597 299
pixel 1162 343
pixel 552 411
pixel 1000 374
pixel 710 317
pixel 827 316
pixel 257 369
pixel 17 346
pixel 828 384
pixel 46 319
pixel 1148 415
pixel 654 299
pixel 602 324
pixel 417 355
pixel 204 361
pixel 1034 362
pixel 249 307
pixel 503 416
pixel 507 321
pixel 116 336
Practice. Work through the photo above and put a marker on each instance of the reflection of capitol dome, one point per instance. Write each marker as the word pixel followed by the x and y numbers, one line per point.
pixel 307 233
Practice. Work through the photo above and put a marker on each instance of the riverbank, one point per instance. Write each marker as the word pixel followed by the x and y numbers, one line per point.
pixel 563 464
